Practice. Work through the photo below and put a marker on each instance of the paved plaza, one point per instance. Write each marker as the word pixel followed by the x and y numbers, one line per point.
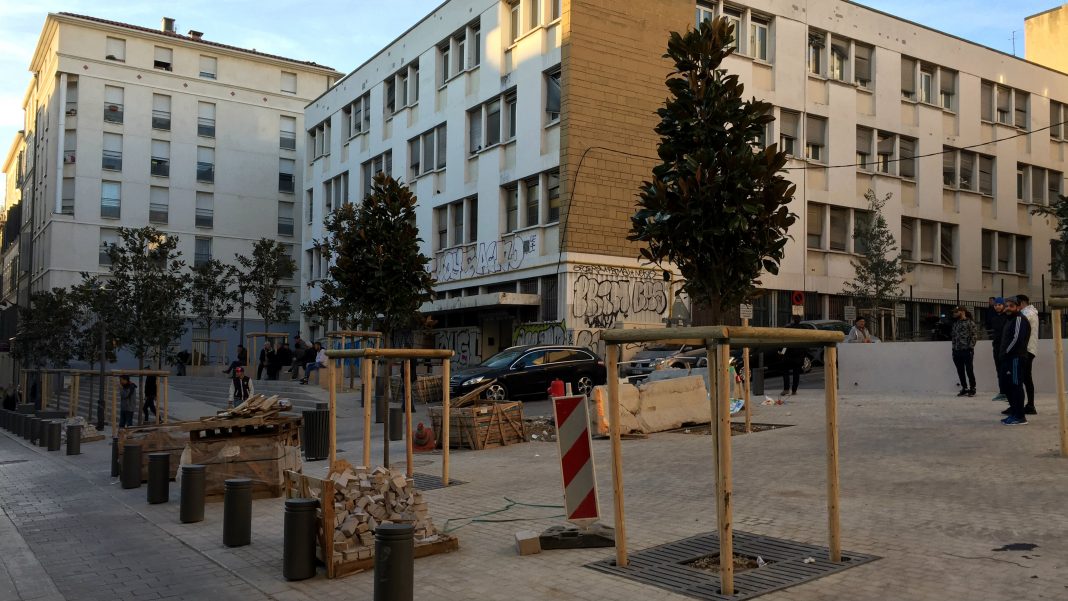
pixel 933 485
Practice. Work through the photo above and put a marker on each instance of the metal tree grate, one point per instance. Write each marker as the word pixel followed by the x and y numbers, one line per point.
pixel 428 482
pixel 664 566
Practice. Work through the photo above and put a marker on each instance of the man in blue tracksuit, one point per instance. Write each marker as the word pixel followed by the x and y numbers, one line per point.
pixel 1012 358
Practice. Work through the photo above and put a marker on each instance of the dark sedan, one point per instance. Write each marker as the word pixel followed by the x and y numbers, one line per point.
pixel 526 371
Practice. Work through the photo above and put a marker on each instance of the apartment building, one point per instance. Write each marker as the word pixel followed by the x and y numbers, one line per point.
pixel 128 126
pixel 525 128
pixel 1044 38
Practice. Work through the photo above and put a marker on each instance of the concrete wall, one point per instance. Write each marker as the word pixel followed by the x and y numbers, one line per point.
pixel 1044 38
pixel 928 367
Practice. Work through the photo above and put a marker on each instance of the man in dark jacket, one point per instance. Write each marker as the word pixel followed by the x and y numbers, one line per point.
pixel 1013 354
pixel 793 363
pixel 282 358
pixel 995 325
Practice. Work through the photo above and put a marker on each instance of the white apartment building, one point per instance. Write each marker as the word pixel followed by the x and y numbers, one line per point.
pixel 128 126
pixel 525 128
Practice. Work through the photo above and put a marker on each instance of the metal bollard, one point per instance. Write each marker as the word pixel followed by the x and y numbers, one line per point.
pixel 237 512
pixel 20 425
pixel 55 435
pixel 394 562
pixel 115 457
pixel 192 507
pixel 32 431
pixel 131 465
pixel 74 440
pixel 396 423
pixel 159 478
pixel 42 432
pixel 298 541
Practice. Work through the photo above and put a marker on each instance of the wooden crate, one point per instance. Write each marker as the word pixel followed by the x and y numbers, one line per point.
pixel 299 485
pixel 170 438
pixel 260 449
pixel 482 426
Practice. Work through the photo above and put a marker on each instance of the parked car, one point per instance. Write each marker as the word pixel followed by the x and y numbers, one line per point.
pixel 829 325
pixel 759 356
pixel 651 358
pixel 526 371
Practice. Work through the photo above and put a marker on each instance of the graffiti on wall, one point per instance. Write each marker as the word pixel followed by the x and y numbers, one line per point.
pixel 485 258
pixel 604 296
pixel 555 332
pixel 465 342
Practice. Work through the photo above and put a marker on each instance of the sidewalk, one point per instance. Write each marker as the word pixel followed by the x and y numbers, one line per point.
pixel 935 486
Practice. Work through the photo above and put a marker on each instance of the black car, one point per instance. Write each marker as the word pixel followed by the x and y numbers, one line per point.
pixel 526 371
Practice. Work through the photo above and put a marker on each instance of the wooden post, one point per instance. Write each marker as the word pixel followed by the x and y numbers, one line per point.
pixel 74 395
pixel 612 362
pixel 445 442
pixel 333 420
pixel 24 392
pixel 365 379
pixel 409 451
pixel 712 357
pixel 1058 355
pixel 114 408
pixel 830 368
pixel 748 376
pixel 167 399
pixel 724 510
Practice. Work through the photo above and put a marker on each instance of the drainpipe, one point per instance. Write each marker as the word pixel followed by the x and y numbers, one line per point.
pixel 60 145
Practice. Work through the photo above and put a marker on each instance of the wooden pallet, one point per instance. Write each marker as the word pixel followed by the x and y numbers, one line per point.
pixel 483 426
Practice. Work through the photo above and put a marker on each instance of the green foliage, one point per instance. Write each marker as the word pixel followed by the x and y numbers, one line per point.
pixel 1057 211
pixel 94 308
pixel 879 269
pixel 377 270
pixel 269 264
pixel 44 337
pixel 148 283
pixel 716 208
pixel 212 296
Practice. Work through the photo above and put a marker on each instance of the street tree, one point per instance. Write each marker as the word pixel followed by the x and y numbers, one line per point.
pixel 261 287
pixel 716 207
pixel 1057 213
pixel 879 269
pixel 212 297
pixel 44 337
pixel 95 316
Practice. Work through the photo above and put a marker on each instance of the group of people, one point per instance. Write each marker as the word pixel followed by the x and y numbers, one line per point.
pixel 1012 324
pixel 274 357
pixel 128 400
pixel 794 356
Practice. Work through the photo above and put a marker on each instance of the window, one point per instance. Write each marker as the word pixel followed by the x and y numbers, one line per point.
pixel 734 18
pixel 1037 185
pixel 1020 102
pixel 319 141
pixel 1004 251
pixel 159 205
pixel 936 241
pixel 986 175
pixel 208 66
pixel 108 239
pixel 817 40
pixel 1054 181
pixel 1021 250
pixel 789 122
pixel 884 147
pixel 514 25
pixel 441 226
pixel 72 95
pixel 115 50
pixel 285 175
pixel 287 132
pixel 461 52
pixel 414 156
pixel 552 95
pixel 554 10
pixel 552 185
pixel 947 252
pixel 206 164
pixel 70 146
pixel 839 228
pixel 861 220
pixel 201 251
pixel 110 200
pixel 705 12
pixel 205 210
pixel 442 145
pixel 66 206
pixel 908 238
pixel 472 218
pixel 445 59
pixel 493 122
pixel 986 101
pixel 532 194
pixel 815 138
pixel 1004 102
pixel 206 120
pixel 359 115
pixel 928 231
pixel 927 77
pixel 533 13
pixel 758 37
pixel 967 171
pixel 839 58
pixel 309 201
pixel 865 137
pixel 475 31
pixel 908 78
pixel 163 58
pixel 814 229
pixel 161 112
pixel 988 250
pixel 112 153
pixel 474 130
pixel 1058 113
pixel 947 86
pixel 906 157
pixel 160 162
pixel 113 104
pixel 1059 263
pixel 456 209
pixel 382 163
pixel 289 82
pixel 511 209
pixel 389 96
pixel 1021 181
pixel 862 65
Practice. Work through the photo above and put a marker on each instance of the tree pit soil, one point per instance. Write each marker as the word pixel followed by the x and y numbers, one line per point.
pixel 711 563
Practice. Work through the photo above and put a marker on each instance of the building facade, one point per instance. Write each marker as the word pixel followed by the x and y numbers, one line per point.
pixel 1044 38
pixel 128 126
pixel 525 128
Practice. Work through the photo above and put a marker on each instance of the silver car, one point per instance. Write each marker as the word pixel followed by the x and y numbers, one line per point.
pixel 651 358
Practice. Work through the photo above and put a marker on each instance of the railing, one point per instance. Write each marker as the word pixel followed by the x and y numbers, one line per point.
pixel 160 167
pixel 113 113
pixel 111 160
pixel 161 120
pixel 205 217
pixel 206 127
pixel 205 172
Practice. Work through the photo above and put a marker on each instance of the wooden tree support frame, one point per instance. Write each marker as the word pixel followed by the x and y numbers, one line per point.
pixel 367 338
pixel 368 356
pixel 1059 303
pixel 718 341
pixel 252 340
pixel 162 394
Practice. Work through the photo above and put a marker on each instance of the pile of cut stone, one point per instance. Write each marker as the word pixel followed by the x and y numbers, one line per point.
pixel 363 500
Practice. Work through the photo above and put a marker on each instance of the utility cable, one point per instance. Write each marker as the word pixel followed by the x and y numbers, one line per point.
pixel 479 518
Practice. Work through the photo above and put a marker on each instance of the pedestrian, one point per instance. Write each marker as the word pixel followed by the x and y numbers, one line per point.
pixel 1013 356
pixel 1030 313
pixel 241 360
pixel 299 348
pixel 964 334
pixel 150 396
pixel 266 355
pixel 182 359
pixel 793 362
pixel 319 362
pixel 282 357
pixel 307 356
pixel 241 388
pixel 859 332
pixel 127 401
pixel 996 325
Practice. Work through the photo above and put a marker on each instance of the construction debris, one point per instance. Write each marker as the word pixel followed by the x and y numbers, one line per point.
pixel 257 405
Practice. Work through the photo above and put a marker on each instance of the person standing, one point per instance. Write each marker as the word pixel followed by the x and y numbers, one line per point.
pixel 996 325
pixel 1030 313
pixel 266 356
pixel 964 334
pixel 150 396
pixel 127 401
pixel 299 348
pixel 1013 355
pixel 241 387
pixel 282 357
pixel 859 332
pixel 793 362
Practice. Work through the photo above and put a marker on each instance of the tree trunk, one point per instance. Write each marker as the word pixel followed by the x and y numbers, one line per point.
pixel 140 389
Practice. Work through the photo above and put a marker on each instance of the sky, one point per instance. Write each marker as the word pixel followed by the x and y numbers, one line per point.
pixel 357 29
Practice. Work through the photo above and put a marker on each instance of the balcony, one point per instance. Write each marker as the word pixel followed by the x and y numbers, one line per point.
pixel 206 172
pixel 113 113
pixel 161 120
pixel 160 167
pixel 111 160
pixel 206 127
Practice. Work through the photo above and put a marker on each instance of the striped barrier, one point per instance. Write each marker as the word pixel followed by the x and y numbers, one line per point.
pixel 576 459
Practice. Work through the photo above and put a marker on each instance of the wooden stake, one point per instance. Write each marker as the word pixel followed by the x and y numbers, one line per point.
pixel 333 422
pixel 365 379
pixel 74 395
pixel 724 509
pixel 445 443
pixel 166 399
pixel 114 409
pixel 747 387
pixel 409 451
pixel 612 362
pixel 1058 355
pixel 830 368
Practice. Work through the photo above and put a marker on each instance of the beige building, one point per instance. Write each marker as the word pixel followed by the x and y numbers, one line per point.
pixel 523 126
pixel 1044 38
pixel 129 126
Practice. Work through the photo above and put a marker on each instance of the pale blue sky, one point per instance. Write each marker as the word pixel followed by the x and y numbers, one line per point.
pixel 344 34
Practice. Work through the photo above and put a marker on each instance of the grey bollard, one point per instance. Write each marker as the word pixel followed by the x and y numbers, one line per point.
pixel 396 423
pixel 32 433
pixel 21 425
pixel 43 432
pixel 55 435
pixel 131 465
pixel 159 478
pixel 394 562
pixel 237 512
pixel 298 541
pixel 115 468
pixel 74 440
pixel 192 507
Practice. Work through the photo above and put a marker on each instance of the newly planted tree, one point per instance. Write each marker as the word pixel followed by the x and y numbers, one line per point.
pixel 44 337
pixel 878 265
pixel 261 281
pixel 1057 212
pixel 212 297
pixel 96 315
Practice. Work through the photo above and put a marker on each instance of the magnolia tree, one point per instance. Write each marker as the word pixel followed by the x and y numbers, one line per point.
pixel 260 284
pixel 212 298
